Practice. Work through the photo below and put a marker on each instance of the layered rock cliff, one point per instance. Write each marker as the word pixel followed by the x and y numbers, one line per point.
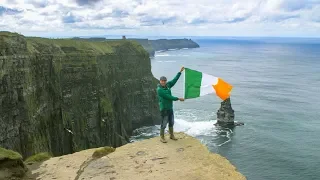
pixel 64 95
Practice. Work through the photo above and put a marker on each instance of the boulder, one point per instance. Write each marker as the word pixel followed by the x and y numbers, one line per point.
pixel 11 165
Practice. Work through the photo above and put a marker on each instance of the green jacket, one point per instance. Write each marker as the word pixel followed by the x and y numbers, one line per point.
pixel 164 94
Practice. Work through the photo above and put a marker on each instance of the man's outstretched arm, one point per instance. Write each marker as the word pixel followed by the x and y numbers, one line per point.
pixel 175 79
pixel 166 96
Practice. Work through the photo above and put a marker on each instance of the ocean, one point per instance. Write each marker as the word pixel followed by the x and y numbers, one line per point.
pixel 276 93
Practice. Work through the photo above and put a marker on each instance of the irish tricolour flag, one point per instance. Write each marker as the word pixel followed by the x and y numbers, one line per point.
pixel 199 84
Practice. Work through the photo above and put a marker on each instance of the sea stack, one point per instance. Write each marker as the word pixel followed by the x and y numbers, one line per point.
pixel 225 115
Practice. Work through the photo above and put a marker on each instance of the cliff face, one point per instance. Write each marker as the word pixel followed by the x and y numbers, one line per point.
pixel 147 45
pixel 63 96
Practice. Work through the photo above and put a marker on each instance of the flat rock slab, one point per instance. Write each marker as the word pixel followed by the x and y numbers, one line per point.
pixel 64 167
pixel 185 159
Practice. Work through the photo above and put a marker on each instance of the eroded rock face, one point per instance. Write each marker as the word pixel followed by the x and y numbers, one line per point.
pixel 225 115
pixel 63 96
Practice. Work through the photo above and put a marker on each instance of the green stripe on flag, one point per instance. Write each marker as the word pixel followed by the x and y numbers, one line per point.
pixel 192 83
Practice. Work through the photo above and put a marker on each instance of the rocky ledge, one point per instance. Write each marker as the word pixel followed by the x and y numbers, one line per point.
pixel 185 159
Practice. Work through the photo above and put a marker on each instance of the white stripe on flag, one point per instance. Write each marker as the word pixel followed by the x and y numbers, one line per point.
pixel 207 83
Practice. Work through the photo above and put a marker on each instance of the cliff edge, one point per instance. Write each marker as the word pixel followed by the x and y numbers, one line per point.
pixel 185 159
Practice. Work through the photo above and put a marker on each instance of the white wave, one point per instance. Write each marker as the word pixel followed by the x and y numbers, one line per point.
pixel 195 128
pixel 162 55
pixel 173 49
pixel 166 55
pixel 204 128
pixel 229 132
pixel 167 61
pixel 185 48
pixel 199 129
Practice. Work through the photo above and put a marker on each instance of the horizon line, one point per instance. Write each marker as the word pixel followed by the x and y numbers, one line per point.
pixel 185 36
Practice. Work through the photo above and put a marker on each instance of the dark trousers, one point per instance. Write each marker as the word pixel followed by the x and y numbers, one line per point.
pixel 167 117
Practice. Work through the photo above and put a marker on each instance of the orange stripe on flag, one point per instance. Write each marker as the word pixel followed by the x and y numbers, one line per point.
pixel 222 89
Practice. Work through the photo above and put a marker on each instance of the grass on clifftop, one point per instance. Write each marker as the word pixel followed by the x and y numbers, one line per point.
pixel 8 154
pixel 7 33
pixel 38 157
pixel 103 151
pixel 69 45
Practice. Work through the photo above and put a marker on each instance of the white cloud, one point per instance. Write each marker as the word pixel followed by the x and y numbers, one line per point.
pixel 162 17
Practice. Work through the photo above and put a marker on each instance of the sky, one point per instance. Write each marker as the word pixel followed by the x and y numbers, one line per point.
pixel 254 18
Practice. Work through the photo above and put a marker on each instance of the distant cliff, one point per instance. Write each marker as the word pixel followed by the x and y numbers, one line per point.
pixel 151 46
pixel 65 95
pixel 165 44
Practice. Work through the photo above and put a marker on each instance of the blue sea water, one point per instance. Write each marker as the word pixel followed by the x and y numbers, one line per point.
pixel 276 94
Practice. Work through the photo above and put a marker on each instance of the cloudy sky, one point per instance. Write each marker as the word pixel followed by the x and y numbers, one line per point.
pixel 293 18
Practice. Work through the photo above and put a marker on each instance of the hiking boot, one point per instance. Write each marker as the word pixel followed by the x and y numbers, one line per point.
pixel 172 134
pixel 162 139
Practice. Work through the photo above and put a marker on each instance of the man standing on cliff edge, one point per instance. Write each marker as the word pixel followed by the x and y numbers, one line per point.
pixel 166 104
